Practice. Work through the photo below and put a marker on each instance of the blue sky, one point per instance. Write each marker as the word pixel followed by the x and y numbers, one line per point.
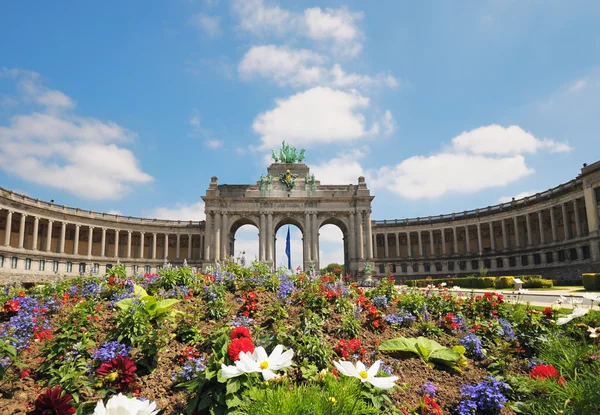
pixel 443 106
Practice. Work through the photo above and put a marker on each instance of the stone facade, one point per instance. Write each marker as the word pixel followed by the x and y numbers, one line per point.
pixel 554 233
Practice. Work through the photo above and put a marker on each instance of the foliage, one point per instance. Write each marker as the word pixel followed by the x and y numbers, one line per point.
pixel 156 310
pixel 428 350
pixel 591 282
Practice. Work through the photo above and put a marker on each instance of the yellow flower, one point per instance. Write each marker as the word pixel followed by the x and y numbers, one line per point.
pixel 332 400
pixel 112 377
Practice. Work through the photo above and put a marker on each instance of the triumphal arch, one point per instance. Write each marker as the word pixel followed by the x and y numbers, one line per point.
pixel 289 194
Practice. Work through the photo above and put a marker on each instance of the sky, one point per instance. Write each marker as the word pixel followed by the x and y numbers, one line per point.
pixel 130 107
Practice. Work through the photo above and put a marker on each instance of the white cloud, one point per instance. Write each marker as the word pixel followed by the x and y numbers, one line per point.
pixel 430 177
pixel 344 168
pixel 214 144
pixel 578 85
pixel 317 115
pixel 495 139
pixel 209 25
pixel 301 67
pixel 506 199
pixel 55 147
pixel 389 126
pixel 115 212
pixel 246 241
pixel 195 119
pixel 181 211
pixel 332 28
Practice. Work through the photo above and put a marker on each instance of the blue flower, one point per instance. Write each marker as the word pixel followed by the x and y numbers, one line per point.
pixel 110 350
pixel 428 389
pixel 474 346
pixel 190 370
pixel 485 397
pixel 400 319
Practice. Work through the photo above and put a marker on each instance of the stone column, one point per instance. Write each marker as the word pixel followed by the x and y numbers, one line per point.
pixel 352 237
pixel 479 239
pixel 566 223
pixel 541 227
pixel 444 252
pixel 189 253
pixel 360 233
pixel 153 245
pixel 129 244
pixel 270 237
pixel 592 219
pixel 103 243
pixel 8 228
pixel 368 234
pixel 63 231
pixel 529 234
pixel 307 234
pixel 217 241
pixel 517 236
pixel 116 243
pixel 386 248
pixel 374 242
pixel 577 218
pixel 76 240
pixel 492 237
pixel 166 247
pixel 455 240
pixel 90 240
pixel 504 235
pixel 262 236
pixel 420 242
pixel 225 237
pixel 408 246
pixel 467 240
pixel 178 246
pixel 142 243
pixel 431 244
pixel 397 244
pixel 553 223
pixel 207 237
pixel 22 231
pixel 315 239
pixel 36 226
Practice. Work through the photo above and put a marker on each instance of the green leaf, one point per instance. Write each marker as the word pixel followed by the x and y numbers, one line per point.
pixel 232 386
pixel 139 292
pixel 447 355
pixel 399 344
pixel 125 303
pixel 232 401
pixel 165 304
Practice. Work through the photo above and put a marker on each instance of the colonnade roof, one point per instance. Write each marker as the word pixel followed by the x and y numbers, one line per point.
pixel 490 210
pixel 62 209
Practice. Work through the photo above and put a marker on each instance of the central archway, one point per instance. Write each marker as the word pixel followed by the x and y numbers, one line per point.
pixel 244 240
pixel 297 245
pixel 333 242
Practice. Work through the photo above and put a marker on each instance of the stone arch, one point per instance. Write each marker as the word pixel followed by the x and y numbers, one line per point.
pixel 235 224
pixel 289 219
pixel 342 223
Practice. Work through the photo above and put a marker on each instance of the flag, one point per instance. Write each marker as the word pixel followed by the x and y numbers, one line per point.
pixel 287 249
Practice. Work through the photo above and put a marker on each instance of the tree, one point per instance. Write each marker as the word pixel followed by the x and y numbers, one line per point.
pixel 337 269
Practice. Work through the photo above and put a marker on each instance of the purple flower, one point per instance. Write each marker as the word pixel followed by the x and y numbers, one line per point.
pixel 110 350
pixel 485 397
pixel 286 287
pixel 474 346
pixel 190 370
pixel 380 301
pixel 400 319
pixel 428 389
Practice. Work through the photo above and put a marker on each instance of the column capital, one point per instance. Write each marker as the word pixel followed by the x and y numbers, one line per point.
pixel 91 227
pixel 129 232
pixel 104 229
pixel 77 225
pixel 24 215
pixel 50 221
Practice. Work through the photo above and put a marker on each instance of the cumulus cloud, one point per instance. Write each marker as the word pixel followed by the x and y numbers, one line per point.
pixel 208 25
pixel 318 115
pixel 336 29
pixel 506 199
pixel 214 144
pixel 345 168
pixel 53 146
pixel 181 211
pixel 287 66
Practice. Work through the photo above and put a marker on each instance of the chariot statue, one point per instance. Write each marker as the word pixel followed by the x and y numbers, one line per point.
pixel 288 154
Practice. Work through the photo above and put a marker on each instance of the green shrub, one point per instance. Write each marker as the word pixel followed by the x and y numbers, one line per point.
pixel 505 282
pixel 591 282
pixel 537 283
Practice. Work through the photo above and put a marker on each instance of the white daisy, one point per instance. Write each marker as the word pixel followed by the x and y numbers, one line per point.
pixel 577 312
pixel 260 362
pixel 360 372
pixel 122 405
pixel 594 332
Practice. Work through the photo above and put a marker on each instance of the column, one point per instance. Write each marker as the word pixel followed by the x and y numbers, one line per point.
pixel 129 244
pixel 359 231
pixel 444 252
pixel 217 241
pixel 397 244
pixel 63 232
pixel 270 237
pixel 432 244
pixel 420 243
pixel 408 247
pixel 189 252
pixel 592 219
pixel 225 237
pixel 307 233
pixel 90 240
pixel 142 242
pixel 315 238
pixel 455 241
pixel 351 237
pixel 207 237
pixel 577 218
pixel 103 243
pixel 467 240
pixel 504 235
pixel 116 243
pixel 566 223
pixel 517 236
pixel 492 238
pixel 22 231
pixel 541 227
pixel 479 239
pixel 553 223
pixel 374 242
pixel 153 245
pixel 76 240
pixel 36 225
pixel 166 247
pixel 8 228
pixel 178 246
pixel 368 233
pixel 262 237
pixel 386 249
pixel 529 234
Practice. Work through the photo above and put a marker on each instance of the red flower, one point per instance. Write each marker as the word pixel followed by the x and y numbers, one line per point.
pixel 11 306
pixel 241 332
pixel 43 335
pixel 119 371
pixel 239 345
pixel 548 312
pixel 546 372
pixel 52 403
pixel 431 407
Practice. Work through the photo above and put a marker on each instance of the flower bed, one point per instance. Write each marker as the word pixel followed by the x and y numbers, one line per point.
pixel 246 341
